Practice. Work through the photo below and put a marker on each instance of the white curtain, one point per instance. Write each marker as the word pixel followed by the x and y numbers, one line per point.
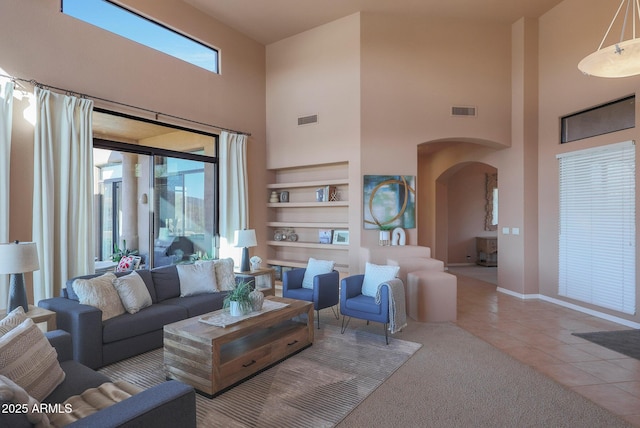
pixel 62 190
pixel 234 199
pixel 6 110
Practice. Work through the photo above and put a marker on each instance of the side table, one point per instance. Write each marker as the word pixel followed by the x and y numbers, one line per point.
pixel 263 278
pixel 38 315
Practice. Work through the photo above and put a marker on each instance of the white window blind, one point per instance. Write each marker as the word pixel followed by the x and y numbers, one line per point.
pixel 597 226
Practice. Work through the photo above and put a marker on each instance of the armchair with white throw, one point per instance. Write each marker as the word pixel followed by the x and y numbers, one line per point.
pixel 317 283
pixel 375 296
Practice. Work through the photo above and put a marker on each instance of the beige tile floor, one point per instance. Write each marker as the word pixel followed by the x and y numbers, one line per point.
pixel 538 334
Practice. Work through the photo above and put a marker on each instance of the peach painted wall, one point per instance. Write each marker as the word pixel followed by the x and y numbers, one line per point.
pixel 569 32
pixel 466 211
pixel 41 43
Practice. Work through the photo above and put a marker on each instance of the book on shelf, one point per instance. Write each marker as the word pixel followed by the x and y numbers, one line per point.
pixel 325 236
pixel 330 194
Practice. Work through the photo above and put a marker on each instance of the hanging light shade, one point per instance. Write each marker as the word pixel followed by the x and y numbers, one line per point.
pixel 621 59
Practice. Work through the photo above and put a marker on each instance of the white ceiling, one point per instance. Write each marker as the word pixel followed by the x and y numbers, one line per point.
pixel 268 21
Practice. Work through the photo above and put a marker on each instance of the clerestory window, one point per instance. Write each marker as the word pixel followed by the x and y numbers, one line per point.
pixel 128 24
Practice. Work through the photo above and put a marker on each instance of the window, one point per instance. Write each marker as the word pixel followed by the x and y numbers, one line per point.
pixel 121 21
pixel 597 226
pixel 161 203
pixel 603 119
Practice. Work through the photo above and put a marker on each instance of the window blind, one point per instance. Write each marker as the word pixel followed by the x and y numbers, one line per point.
pixel 597 226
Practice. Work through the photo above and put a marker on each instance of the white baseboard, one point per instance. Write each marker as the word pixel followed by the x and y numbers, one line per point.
pixel 559 302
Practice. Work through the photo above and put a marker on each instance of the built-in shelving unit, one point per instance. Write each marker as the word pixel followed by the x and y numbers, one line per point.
pixel 305 217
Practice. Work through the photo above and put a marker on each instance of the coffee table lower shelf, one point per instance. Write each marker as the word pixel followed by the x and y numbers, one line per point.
pixel 214 359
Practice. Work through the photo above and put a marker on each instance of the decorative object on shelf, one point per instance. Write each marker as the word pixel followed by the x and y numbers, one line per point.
pixel 274 197
pixel 279 235
pixel 340 237
pixel 398 237
pixel 334 196
pixel 257 299
pixel 16 258
pixel 328 192
pixel 284 196
pixel 324 236
pixel 238 301
pixel 389 201
pixel 255 262
pixel 292 237
pixel 385 235
pixel 244 239
pixel 621 59
pixel 319 194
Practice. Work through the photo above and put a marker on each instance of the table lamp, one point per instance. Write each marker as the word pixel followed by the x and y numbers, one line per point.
pixel 16 258
pixel 245 238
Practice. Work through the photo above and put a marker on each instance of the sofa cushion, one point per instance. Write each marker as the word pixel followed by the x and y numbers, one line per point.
pixel 28 359
pixel 363 303
pixel 197 279
pixel 166 282
pixel 316 267
pixel 375 275
pixel 133 292
pixel 100 293
pixel 78 378
pixel 225 277
pixel 147 320
pixel 12 320
pixel 200 304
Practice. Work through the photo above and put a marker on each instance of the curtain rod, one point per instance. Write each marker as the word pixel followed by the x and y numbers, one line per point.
pixel 156 113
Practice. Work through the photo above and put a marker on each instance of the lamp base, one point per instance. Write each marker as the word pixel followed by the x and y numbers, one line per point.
pixel 244 265
pixel 17 293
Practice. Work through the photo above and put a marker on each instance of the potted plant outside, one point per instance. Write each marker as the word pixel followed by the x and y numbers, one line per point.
pixel 238 301
pixel 119 253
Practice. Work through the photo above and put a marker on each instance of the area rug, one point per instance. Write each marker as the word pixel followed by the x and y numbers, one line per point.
pixel 626 342
pixel 316 388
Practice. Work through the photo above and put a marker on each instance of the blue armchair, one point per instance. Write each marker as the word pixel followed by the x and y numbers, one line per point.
pixel 355 304
pixel 324 294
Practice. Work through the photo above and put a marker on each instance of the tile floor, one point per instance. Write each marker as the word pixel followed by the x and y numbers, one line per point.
pixel 538 333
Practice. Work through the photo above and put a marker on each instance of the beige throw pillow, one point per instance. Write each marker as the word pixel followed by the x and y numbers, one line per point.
pixel 100 293
pixel 28 359
pixel 12 320
pixel 133 292
pixel 224 274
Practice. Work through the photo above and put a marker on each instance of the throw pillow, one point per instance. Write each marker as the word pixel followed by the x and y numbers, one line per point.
pixel 224 274
pixel 197 279
pixel 28 359
pixel 12 320
pixel 375 275
pixel 127 263
pixel 10 392
pixel 133 292
pixel 100 293
pixel 316 267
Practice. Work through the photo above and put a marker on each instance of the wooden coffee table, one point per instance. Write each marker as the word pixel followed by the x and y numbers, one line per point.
pixel 213 359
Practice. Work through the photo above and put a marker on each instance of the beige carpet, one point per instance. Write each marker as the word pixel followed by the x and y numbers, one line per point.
pixel 315 388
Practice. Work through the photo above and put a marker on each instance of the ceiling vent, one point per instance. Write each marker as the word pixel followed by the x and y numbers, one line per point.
pixel 463 111
pixel 308 120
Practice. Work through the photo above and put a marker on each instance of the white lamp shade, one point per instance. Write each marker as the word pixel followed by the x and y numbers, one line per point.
pixel 19 257
pixel 245 238
pixel 621 60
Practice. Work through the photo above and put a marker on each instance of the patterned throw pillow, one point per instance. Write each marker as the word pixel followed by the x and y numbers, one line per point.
pixel 133 292
pixel 128 263
pixel 225 277
pixel 316 267
pixel 375 275
pixel 99 292
pixel 12 320
pixel 28 359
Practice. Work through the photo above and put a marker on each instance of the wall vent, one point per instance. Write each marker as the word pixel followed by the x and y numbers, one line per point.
pixel 308 120
pixel 463 111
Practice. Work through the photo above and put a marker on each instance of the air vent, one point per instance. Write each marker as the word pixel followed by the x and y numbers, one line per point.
pixel 463 111
pixel 308 120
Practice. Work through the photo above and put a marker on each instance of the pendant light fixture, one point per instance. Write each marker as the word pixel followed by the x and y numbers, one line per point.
pixel 621 59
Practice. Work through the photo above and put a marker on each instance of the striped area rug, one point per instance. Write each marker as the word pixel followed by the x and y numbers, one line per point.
pixel 316 388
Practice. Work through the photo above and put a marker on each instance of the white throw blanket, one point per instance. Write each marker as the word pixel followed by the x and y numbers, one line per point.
pixel 397 309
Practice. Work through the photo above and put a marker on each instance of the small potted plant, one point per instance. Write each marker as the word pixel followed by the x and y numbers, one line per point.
pixel 385 234
pixel 255 262
pixel 238 301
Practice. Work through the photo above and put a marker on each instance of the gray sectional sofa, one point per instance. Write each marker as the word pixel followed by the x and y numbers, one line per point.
pixel 170 404
pixel 97 343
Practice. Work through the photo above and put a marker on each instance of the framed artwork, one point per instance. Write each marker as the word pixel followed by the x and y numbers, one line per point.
pixel 390 201
pixel 324 236
pixel 340 237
